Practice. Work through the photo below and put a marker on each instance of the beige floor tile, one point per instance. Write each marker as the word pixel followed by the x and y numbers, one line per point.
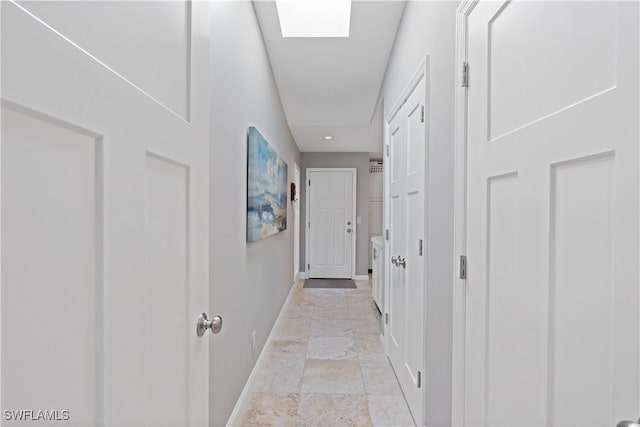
pixel 360 300
pixel 338 313
pixel 279 376
pixel 363 284
pixel 331 328
pixel 322 292
pixel 332 376
pixel 368 343
pixel 347 379
pixel 289 348
pixel 270 409
pixel 359 292
pixel 366 325
pixel 329 301
pixel 323 410
pixel 332 348
pixel 362 308
pixel 389 411
pixel 302 299
pixel 380 380
pixel 294 328
pixel 297 312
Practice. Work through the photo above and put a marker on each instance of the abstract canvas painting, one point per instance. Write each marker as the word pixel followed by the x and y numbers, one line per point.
pixel 266 189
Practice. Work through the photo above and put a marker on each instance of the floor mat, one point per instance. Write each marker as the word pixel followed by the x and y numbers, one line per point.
pixel 330 283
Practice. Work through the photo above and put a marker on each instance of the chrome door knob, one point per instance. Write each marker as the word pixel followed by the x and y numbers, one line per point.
pixel 402 262
pixel 348 230
pixel 205 323
pixel 629 423
pixel 394 260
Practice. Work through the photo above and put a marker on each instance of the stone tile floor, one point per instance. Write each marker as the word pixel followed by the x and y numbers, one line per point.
pixel 326 366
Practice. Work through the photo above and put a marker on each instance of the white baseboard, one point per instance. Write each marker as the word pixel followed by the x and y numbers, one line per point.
pixel 234 418
pixel 361 277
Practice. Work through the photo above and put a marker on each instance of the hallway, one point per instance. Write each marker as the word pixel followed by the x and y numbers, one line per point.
pixel 173 170
pixel 326 365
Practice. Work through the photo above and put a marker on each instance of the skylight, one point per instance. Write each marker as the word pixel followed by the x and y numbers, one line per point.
pixel 314 18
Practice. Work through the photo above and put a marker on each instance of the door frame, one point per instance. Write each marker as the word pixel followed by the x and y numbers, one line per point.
pixel 296 223
pixel 307 200
pixel 422 72
pixel 460 218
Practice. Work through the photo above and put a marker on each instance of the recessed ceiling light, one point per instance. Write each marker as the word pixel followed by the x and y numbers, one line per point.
pixel 314 18
pixel 327 138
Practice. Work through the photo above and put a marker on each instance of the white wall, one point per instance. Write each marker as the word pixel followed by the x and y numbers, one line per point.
pixel 429 28
pixel 249 282
pixel 360 161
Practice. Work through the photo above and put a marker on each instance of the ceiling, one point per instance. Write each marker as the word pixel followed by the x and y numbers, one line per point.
pixel 330 86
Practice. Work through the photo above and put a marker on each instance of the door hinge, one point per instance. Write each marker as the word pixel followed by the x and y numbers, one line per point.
pixel 422 114
pixel 387 150
pixel 465 74
pixel 463 266
pixel 308 268
pixel 419 379
pixel 386 233
pixel 386 318
pixel 309 183
pixel 420 248
pixel 309 224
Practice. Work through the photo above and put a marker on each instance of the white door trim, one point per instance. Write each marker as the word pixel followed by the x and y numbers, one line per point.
pixel 459 218
pixel 296 223
pixel 421 72
pixel 307 205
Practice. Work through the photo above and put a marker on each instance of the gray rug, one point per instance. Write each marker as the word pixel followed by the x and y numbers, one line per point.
pixel 330 283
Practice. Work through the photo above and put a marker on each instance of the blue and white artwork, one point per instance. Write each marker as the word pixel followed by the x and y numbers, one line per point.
pixel 266 189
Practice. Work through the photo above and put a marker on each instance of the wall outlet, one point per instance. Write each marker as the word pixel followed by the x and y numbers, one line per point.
pixel 253 341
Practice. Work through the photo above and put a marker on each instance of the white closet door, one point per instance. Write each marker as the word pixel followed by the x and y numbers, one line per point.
pixel 406 299
pixel 105 212
pixel 553 295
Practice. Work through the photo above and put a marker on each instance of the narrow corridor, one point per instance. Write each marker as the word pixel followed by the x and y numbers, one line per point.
pixel 326 366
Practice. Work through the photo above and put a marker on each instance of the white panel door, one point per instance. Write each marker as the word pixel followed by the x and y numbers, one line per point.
pixel 552 222
pixel 104 213
pixel 330 223
pixel 406 296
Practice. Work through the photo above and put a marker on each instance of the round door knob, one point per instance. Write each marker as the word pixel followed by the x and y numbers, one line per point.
pixel 205 323
pixel 629 423
pixel 394 260
pixel 348 230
